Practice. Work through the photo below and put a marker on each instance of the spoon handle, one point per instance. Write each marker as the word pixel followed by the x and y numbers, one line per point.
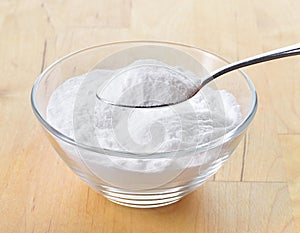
pixel 291 50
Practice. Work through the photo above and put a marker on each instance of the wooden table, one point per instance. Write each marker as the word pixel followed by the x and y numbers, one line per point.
pixel 258 189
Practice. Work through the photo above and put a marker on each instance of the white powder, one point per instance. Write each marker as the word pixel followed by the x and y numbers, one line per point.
pixel 75 111
pixel 148 82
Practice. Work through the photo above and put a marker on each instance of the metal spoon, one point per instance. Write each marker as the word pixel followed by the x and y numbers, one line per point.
pixel 268 56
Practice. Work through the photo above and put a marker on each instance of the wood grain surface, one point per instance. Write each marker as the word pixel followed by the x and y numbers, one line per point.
pixel 257 190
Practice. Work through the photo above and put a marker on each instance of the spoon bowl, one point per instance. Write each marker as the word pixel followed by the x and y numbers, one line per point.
pixel 194 89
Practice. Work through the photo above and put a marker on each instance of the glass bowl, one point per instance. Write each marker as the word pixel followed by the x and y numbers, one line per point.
pixel 152 178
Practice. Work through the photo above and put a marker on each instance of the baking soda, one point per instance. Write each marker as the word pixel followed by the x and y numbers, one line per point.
pixel 74 110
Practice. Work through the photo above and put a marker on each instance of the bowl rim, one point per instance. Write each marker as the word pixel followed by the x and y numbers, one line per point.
pixel 233 133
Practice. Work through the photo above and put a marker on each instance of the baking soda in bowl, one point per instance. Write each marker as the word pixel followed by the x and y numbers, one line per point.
pixel 74 110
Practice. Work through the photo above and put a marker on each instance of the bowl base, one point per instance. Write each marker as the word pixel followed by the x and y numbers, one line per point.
pixel 153 204
pixel 147 199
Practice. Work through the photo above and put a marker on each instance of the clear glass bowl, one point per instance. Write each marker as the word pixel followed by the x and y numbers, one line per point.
pixel 113 172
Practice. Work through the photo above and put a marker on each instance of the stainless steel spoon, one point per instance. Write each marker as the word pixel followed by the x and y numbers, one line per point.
pixel 268 56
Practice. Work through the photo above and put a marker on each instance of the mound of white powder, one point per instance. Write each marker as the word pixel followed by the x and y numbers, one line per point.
pixel 75 111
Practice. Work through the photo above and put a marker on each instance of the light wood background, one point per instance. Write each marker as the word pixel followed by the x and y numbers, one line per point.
pixel 258 189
